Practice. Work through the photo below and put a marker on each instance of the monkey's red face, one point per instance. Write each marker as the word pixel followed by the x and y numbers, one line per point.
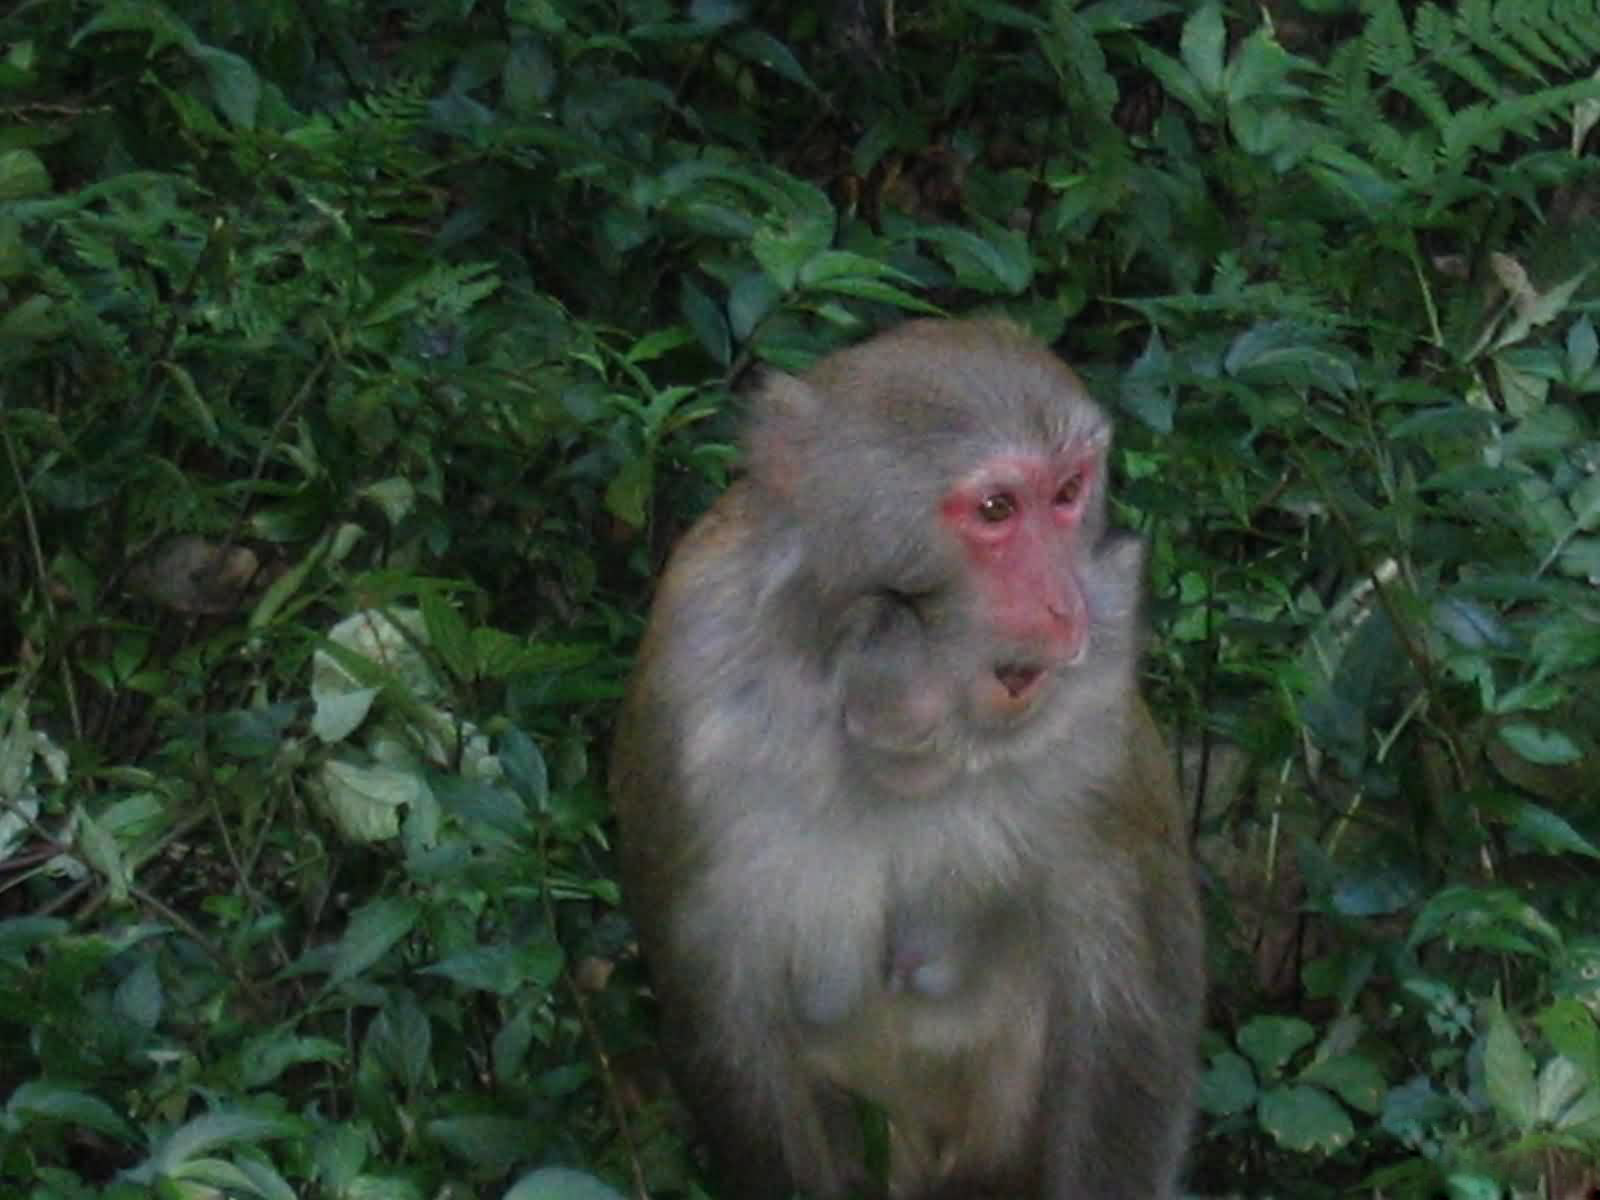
pixel 1017 519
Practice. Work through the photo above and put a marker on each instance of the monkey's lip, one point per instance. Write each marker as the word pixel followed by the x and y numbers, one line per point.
pixel 1020 680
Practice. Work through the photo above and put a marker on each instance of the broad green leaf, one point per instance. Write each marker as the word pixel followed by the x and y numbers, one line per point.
pixel 1552 833
pixel 997 260
pixel 264 1058
pixel 1271 1041
pixel 706 318
pixel 490 1143
pixel 502 970
pixel 1305 1118
pixel 1538 744
pixel 339 714
pixel 525 768
pixel 1228 1086
pixel 769 52
pixel 630 490
pixel 22 173
pixel 103 853
pixel 448 634
pixel 234 85
pixel 1493 918
pixel 1583 348
pixel 1354 1078
pixel 34 1100
pixel 396 497
pixel 753 297
pixel 205 1133
pixel 1203 42
pixel 883 293
pixel 561 1183
pixel 1508 1073
pixel 365 801
pixel 373 930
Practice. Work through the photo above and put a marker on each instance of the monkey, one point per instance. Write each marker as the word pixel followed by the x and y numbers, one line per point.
pixel 897 830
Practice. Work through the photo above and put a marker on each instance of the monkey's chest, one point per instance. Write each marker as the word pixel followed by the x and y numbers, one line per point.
pixel 940 1031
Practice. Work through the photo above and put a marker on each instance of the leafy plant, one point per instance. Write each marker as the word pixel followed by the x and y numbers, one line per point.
pixel 358 363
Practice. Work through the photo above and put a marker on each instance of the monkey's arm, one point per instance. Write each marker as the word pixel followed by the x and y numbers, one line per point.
pixel 1126 1073
pixel 703 778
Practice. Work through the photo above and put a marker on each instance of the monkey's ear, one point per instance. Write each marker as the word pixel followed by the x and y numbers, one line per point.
pixel 780 445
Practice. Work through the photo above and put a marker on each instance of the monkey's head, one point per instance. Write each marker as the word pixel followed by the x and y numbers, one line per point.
pixel 951 474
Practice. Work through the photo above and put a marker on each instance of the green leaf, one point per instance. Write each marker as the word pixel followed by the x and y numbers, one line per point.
pixel 1178 82
pixel 1203 43
pixel 753 297
pixel 762 48
pixel 561 1183
pixel 1583 348
pixel 264 1058
pixel 529 77
pixel 1493 918
pixel 396 497
pixel 1548 747
pixel 1228 1086
pixel 448 635
pixel 21 934
pixel 103 853
pixel 840 264
pixel 883 293
pixel 337 715
pixel 22 173
pixel 1354 1078
pixel 783 247
pixel 365 801
pixel 1470 1185
pixel 1508 1075
pixel 706 318
pixel 490 1143
pixel 629 492
pixel 205 1133
pixel 234 85
pixel 138 998
pixel 1377 889
pixel 1147 389
pixel 503 970
pixel 998 261
pixel 1260 69
pixel 139 16
pixel 39 1100
pixel 657 344
pixel 372 932
pixel 1305 1118
pixel 525 768
pixel 1271 1041
pixel 1551 832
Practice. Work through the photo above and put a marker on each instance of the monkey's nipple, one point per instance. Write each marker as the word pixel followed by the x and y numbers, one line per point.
pixel 1018 679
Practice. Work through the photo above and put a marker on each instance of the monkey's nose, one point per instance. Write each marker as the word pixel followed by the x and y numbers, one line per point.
pixel 1017 678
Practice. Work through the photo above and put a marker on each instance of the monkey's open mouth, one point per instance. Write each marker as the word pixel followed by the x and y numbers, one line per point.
pixel 1018 678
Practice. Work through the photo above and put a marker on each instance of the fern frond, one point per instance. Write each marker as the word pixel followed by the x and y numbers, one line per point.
pixel 1484 23
pixel 1387 40
pixel 1470 77
pixel 1442 41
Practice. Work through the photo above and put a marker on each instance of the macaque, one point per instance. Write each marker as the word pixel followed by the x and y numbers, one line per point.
pixel 898 833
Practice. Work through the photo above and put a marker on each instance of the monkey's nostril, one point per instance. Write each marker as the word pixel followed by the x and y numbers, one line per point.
pixel 1017 678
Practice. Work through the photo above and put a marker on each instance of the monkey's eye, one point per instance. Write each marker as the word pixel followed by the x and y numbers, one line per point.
pixel 1001 506
pixel 1071 491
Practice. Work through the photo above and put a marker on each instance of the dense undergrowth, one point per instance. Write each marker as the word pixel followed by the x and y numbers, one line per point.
pixel 358 361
